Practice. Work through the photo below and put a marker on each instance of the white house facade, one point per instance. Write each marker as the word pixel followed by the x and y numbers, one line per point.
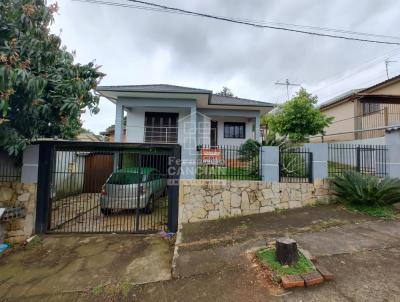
pixel 183 115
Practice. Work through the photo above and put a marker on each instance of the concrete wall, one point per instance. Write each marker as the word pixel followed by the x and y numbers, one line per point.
pixel 201 200
pixel 69 176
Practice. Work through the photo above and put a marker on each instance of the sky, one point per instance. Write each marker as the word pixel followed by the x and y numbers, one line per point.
pixel 145 47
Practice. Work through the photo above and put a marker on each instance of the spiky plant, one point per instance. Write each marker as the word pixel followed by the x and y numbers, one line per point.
pixel 355 188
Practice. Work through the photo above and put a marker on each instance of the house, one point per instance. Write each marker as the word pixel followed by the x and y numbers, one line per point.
pixel 359 111
pixel 163 113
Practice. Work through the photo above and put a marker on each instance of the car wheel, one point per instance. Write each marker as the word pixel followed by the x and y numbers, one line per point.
pixel 150 205
pixel 105 212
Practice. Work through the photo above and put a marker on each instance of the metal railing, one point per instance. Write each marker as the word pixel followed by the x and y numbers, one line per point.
pixel 295 165
pixel 366 159
pixel 160 134
pixel 10 168
pixel 228 162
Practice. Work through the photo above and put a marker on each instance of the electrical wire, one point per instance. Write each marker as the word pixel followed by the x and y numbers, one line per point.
pixel 168 9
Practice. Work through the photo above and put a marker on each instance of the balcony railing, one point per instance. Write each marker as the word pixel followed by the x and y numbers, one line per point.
pixel 160 134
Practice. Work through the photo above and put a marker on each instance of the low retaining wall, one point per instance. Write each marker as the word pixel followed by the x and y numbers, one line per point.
pixel 18 195
pixel 213 199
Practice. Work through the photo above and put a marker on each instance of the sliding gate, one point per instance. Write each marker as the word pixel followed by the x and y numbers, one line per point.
pixel 108 188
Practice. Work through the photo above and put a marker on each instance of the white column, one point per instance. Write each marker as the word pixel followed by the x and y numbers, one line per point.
pixel 119 122
pixel 393 157
pixel 320 156
pixel 189 152
pixel 270 163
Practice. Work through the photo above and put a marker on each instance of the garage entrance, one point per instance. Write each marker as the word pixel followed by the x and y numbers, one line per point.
pixel 107 187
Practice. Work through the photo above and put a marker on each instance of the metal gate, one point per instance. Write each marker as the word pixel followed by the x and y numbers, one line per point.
pixel 108 188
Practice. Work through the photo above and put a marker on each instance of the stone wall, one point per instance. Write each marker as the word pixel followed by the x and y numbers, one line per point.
pixel 213 199
pixel 16 194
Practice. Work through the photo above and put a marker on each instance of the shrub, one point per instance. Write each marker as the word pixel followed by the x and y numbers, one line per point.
pixel 293 164
pixel 273 140
pixel 249 149
pixel 354 188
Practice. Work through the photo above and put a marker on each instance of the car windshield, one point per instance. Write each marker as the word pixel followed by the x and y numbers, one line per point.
pixel 125 178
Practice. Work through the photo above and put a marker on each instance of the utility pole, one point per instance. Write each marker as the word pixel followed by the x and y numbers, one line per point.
pixel 287 84
pixel 387 62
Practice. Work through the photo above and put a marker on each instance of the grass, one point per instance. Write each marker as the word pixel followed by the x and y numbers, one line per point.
pixel 267 257
pixel 336 168
pixel 228 173
pixel 382 211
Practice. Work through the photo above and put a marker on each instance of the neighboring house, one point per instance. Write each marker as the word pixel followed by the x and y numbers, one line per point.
pixel 187 116
pixel 109 134
pixel 358 110
pixel 87 136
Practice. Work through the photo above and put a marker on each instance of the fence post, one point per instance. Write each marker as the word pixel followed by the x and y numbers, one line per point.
pixel 319 160
pixel 394 160
pixel 310 168
pixel 173 194
pixel 270 163
pixel 358 159
pixel 43 189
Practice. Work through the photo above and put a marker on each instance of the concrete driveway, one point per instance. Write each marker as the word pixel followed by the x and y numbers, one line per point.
pixel 73 264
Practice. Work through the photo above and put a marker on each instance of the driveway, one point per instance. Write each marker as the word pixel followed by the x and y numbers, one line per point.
pixel 67 265
pixel 81 213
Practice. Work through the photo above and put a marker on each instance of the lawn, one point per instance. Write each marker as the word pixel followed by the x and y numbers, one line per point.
pixel 267 257
pixel 228 173
pixel 336 169
pixel 382 211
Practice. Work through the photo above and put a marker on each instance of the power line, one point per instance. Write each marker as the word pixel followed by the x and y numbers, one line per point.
pixel 360 68
pixel 169 9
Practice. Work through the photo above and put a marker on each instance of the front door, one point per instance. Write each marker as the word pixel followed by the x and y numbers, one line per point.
pixel 214 133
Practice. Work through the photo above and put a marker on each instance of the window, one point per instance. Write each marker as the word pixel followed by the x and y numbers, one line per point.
pixel 160 127
pixel 234 130
pixel 370 108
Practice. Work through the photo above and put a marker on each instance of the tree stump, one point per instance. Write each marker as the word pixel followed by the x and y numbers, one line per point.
pixel 286 251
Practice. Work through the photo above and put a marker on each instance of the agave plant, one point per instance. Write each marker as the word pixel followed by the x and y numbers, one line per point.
pixel 355 188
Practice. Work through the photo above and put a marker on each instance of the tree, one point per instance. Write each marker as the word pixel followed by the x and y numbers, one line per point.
pixel 42 90
pixel 298 118
pixel 226 92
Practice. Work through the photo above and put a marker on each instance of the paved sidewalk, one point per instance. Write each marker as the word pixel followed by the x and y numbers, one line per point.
pixel 214 262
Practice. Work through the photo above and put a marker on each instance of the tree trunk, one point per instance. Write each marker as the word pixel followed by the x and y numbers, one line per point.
pixel 286 251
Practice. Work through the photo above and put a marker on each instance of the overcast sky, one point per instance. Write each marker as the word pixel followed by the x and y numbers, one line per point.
pixel 143 47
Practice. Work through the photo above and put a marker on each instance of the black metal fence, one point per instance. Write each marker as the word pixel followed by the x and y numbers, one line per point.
pixel 295 165
pixel 10 168
pixel 103 188
pixel 229 162
pixel 366 159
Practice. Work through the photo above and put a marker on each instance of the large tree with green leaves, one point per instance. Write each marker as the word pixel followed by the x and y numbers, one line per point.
pixel 42 90
pixel 298 118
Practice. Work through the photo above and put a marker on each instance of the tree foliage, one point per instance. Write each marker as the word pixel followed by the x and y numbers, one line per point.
pixel 42 90
pixel 226 92
pixel 298 118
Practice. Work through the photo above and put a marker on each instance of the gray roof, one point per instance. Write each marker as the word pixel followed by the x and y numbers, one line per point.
pixel 235 101
pixel 340 97
pixel 165 88
pixel 153 88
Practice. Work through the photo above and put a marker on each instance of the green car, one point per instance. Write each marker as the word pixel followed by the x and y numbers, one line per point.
pixel 132 188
